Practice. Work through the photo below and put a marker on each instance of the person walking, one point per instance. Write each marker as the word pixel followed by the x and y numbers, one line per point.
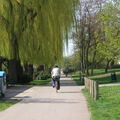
pixel 55 73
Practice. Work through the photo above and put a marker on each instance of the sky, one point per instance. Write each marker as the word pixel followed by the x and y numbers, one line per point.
pixel 70 50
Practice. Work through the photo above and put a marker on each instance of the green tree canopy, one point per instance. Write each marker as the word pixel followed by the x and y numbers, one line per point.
pixel 34 31
pixel 109 42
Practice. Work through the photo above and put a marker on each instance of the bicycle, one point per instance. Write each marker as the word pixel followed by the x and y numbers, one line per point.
pixel 56 80
pixel 56 85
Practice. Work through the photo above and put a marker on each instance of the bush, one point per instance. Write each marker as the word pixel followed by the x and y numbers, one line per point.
pixel 25 78
pixel 68 70
pixel 43 75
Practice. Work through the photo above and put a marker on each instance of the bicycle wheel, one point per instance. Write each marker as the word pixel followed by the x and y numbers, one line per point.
pixel 56 86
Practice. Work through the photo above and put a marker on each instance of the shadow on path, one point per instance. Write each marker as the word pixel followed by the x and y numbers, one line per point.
pixel 65 81
pixel 15 90
pixel 48 100
pixel 71 92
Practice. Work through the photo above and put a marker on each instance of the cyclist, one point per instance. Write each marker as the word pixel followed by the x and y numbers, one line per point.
pixel 55 73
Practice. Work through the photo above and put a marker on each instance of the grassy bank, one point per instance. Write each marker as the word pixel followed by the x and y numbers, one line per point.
pixel 98 71
pixel 39 82
pixel 107 107
pixel 100 80
pixel 6 103
pixel 77 80
pixel 107 79
pixel 102 71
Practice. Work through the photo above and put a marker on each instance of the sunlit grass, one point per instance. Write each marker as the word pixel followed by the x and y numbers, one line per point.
pixel 6 103
pixel 102 71
pixel 39 82
pixel 77 80
pixel 106 79
pixel 108 105
pixel 98 71
pixel 100 80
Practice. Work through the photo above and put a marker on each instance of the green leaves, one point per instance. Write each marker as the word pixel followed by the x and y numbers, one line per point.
pixel 109 18
pixel 34 30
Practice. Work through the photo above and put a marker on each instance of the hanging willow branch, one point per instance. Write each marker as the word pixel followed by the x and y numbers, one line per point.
pixel 34 30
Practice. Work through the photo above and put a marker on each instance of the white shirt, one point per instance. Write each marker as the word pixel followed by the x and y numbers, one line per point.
pixel 55 72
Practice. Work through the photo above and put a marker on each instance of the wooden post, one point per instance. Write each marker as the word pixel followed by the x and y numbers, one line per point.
pixel 88 84
pixel 96 96
pixel 85 83
pixel 92 87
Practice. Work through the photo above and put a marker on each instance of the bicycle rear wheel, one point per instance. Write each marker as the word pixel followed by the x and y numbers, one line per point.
pixel 56 86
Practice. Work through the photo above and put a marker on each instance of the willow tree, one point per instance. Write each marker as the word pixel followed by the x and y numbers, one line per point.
pixel 34 31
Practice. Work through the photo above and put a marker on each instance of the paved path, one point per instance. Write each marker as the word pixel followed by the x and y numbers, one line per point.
pixel 110 84
pixel 43 103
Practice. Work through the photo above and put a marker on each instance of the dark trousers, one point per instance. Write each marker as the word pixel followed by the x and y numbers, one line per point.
pixel 56 78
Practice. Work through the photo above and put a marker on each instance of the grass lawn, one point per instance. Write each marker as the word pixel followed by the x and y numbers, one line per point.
pixel 100 80
pixel 6 103
pixel 77 80
pixel 98 71
pixel 39 82
pixel 102 71
pixel 108 105
pixel 107 79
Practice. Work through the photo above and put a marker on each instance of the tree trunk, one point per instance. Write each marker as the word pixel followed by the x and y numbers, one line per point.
pixel 0 66
pixel 84 61
pixel 19 71
pixel 30 70
pixel 25 67
pixel 40 68
pixel 12 71
pixel 88 46
pixel 15 71
pixel 111 63
pixel 82 57
pixel 87 62
pixel 107 65
pixel 93 61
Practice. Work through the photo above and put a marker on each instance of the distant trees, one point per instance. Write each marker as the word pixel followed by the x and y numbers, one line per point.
pixel 85 41
pixel 97 36
pixel 110 32
pixel 71 64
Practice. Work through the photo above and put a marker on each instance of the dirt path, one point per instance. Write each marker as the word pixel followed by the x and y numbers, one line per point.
pixel 43 103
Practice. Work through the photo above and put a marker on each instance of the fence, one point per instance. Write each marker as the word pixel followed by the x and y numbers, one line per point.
pixel 93 87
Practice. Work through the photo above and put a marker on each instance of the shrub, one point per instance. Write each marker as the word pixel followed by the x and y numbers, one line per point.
pixel 25 78
pixel 68 70
pixel 43 75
